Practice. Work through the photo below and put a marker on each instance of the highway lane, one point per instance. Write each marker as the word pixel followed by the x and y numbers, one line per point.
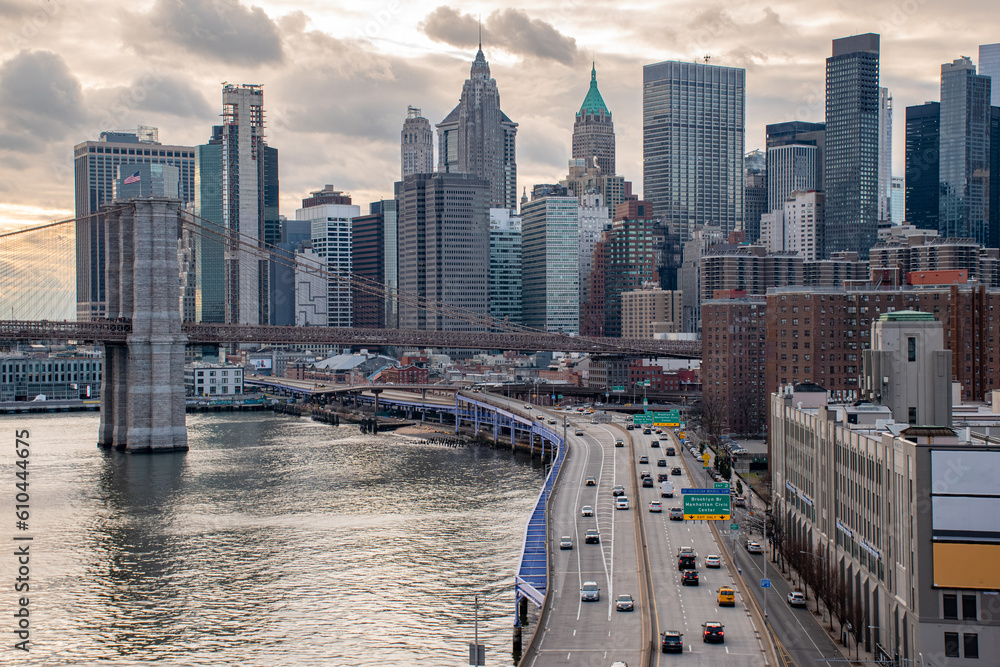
pixel 797 631
pixel 686 608
pixel 590 633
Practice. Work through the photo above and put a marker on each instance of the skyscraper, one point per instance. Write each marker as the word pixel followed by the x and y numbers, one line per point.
pixel 989 65
pixel 416 144
pixel 693 144
pixel 801 133
pixel 444 248
pixel 965 152
pixel 550 241
pixel 754 193
pixel 505 266
pixel 594 131
pixel 884 154
pixel 478 138
pixel 368 262
pixel 852 144
pixel 922 165
pixel 95 165
pixel 331 215
pixel 792 167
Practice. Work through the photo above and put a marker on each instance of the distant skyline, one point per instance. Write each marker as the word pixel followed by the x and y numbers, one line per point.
pixel 338 77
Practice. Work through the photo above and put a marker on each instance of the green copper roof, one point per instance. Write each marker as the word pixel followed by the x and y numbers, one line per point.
pixel 593 102
pixel 906 316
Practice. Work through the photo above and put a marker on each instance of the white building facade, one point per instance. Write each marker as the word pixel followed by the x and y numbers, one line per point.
pixel 331 242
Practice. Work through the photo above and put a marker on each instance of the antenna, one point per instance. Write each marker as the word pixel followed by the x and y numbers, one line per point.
pixel 480 32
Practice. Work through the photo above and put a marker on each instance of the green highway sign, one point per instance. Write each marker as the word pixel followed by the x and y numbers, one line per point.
pixel 668 418
pixel 618 389
pixel 722 485
pixel 642 419
pixel 714 507
pixel 734 526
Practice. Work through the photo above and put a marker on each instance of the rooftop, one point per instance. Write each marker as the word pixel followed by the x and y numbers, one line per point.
pixel 593 103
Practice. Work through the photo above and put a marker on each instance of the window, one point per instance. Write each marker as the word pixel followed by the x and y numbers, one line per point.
pixel 911 348
pixel 969 607
pixel 949 605
pixel 912 417
pixel 971 641
pixel 951 644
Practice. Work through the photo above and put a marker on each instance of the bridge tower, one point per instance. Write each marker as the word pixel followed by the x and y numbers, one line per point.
pixel 142 389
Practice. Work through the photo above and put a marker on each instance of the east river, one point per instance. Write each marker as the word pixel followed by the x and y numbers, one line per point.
pixel 273 541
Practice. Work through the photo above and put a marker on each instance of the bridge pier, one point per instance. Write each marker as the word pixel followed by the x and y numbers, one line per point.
pixel 142 392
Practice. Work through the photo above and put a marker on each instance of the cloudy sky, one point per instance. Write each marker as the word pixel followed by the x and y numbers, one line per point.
pixel 339 75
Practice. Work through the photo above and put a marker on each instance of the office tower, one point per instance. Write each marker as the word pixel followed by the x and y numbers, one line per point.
pixel 963 210
pixel 95 166
pixel 330 233
pixel 629 259
pixel 693 144
pixel 989 65
pixel 505 266
pixel 478 138
pixel 795 133
pixel 550 258
pixel 294 239
pixel 852 141
pixel 994 234
pixel 147 180
pixel 922 165
pixel 243 190
pixel 754 192
pixel 897 211
pixel 884 153
pixel 792 167
pixel 416 144
pixel 444 248
pixel 368 304
pixel 593 219
pixel 387 208
pixel 594 131
pixel 804 224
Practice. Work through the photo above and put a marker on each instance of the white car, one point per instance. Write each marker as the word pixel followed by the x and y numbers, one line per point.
pixel 754 548
pixel 590 592
pixel 713 561
pixel 565 542
pixel 656 506
pixel 587 511
pixel 621 503
pixel 796 599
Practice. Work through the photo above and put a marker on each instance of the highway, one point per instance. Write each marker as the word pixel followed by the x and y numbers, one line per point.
pixel 798 637
pixel 594 633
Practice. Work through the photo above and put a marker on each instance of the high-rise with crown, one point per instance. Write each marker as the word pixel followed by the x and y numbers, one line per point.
pixel 417 144
pixel 478 138
pixel 594 131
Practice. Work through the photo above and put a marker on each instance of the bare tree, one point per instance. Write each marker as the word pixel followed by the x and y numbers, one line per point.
pixel 711 412
pixel 747 411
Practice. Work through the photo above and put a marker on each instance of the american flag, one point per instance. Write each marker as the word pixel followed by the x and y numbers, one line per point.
pixel 134 178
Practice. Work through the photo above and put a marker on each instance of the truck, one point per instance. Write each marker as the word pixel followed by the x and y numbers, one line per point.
pixel 666 489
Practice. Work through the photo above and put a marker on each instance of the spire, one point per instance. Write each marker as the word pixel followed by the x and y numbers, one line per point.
pixel 480 33
pixel 593 103
pixel 480 68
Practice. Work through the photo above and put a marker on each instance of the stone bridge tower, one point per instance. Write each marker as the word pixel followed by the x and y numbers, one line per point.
pixel 142 389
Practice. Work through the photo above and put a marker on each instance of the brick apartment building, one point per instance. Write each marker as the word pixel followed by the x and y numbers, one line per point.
pixel 732 367
pixel 817 335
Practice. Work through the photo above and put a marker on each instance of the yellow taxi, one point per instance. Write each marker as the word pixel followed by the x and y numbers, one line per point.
pixel 727 597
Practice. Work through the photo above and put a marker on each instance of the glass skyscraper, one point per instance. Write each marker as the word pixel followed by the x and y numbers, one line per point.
pixel 921 183
pixel 965 152
pixel 693 118
pixel 505 266
pixel 989 65
pixel 852 144
pixel 550 259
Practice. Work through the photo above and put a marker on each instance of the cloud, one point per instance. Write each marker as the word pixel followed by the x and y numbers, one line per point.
pixel 511 30
pixel 39 97
pixel 224 30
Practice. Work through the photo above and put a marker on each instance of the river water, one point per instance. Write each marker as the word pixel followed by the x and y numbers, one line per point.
pixel 273 541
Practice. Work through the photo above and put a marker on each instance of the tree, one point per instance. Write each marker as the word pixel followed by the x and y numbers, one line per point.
pixel 711 412
pixel 724 466
pixel 747 411
pixel 739 488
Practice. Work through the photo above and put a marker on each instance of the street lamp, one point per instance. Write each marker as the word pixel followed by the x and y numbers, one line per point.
pixel 477 653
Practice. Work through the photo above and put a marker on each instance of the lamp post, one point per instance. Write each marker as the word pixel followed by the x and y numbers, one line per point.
pixel 822 558
pixel 477 652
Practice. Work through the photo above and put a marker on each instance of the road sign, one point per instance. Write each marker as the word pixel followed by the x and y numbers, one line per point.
pixel 477 654
pixel 701 492
pixel 668 418
pixel 722 485
pixel 642 419
pixel 710 506
pixel 705 459
pixel 765 583
pixel 618 389
pixel 734 526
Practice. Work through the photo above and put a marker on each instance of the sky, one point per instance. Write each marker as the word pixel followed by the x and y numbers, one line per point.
pixel 338 76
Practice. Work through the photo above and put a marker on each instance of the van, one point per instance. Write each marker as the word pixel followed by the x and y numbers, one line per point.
pixel 727 597
pixel 666 489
